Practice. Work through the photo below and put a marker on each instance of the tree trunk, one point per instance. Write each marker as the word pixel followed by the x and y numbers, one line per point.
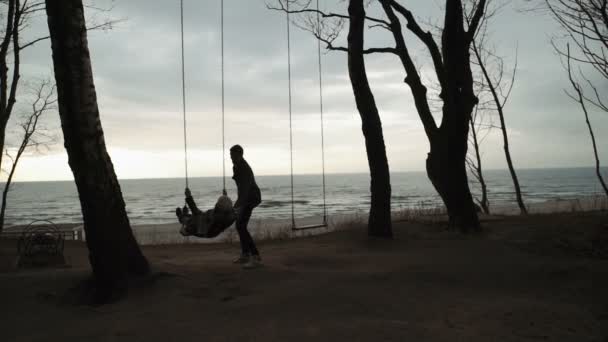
pixel 446 163
pixel 9 182
pixel 503 128
pixel 4 197
pixel 446 168
pixel 379 224
pixel 485 205
pixel 8 94
pixel 113 251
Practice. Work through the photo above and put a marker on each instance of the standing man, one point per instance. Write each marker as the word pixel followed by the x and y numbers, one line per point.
pixel 249 197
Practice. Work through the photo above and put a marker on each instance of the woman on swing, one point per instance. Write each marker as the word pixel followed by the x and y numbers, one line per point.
pixel 211 223
pixel 205 224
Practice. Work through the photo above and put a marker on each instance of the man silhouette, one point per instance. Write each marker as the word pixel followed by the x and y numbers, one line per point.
pixel 249 197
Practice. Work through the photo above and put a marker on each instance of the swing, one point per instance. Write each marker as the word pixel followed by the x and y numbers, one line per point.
pixel 294 226
pixel 210 223
pixel 202 221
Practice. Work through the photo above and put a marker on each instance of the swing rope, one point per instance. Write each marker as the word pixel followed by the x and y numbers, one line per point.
pixel 184 110
pixel 320 70
pixel 293 210
pixel 184 91
pixel 321 114
pixel 223 102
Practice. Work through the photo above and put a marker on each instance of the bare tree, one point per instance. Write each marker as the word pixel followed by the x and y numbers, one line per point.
pixel 580 98
pixel 478 132
pixel 449 141
pixel 585 24
pixel 33 135
pixel 113 251
pixel 19 15
pixel 499 88
pixel 379 221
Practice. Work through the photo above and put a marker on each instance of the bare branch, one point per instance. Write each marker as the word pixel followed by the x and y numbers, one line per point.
pixel 477 17
pixel 581 100
pixel 305 9
pixel 103 26
pixel 425 37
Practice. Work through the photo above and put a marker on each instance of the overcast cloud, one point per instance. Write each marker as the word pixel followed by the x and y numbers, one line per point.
pixel 137 75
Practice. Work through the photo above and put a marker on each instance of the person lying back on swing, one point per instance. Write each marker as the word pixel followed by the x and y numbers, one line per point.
pixel 205 224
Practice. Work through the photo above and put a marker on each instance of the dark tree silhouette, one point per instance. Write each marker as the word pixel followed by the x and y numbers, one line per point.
pixel 33 136
pixel 475 166
pixel 500 105
pixel 497 86
pixel 113 251
pixel 580 98
pixel 446 166
pixel 20 16
pixel 9 44
pixel 380 223
pixel 446 161
pixel 585 23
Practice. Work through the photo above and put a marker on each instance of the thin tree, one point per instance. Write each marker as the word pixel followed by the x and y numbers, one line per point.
pixel 380 223
pixel 585 24
pixel 475 165
pixel 113 251
pixel 492 70
pixel 446 162
pixel 33 136
pixel 580 98
pixel 9 43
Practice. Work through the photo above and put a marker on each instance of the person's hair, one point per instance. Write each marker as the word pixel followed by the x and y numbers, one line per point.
pixel 237 149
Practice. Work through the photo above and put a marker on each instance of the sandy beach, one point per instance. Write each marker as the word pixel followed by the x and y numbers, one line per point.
pixel 542 277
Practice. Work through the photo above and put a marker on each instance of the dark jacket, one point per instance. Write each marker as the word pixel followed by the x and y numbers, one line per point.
pixel 210 223
pixel 248 191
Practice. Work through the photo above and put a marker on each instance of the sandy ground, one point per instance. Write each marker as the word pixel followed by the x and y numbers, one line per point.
pixel 524 279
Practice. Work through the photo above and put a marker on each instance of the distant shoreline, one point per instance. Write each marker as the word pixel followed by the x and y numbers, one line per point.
pixel 269 228
pixel 603 168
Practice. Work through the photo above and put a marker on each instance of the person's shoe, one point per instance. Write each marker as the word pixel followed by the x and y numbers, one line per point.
pixel 242 259
pixel 254 262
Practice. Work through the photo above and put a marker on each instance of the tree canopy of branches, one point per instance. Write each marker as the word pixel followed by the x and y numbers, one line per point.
pixel 379 221
pixel 579 97
pixel 17 17
pixel 33 135
pixel 585 25
pixel 451 62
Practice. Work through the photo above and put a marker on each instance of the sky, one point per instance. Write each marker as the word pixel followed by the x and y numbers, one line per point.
pixel 138 81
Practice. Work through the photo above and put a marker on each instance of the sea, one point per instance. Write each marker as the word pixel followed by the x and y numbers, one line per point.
pixel 153 201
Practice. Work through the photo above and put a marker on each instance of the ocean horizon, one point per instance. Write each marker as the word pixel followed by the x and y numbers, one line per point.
pixel 153 200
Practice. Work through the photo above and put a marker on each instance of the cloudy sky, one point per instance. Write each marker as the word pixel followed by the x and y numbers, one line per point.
pixel 137 75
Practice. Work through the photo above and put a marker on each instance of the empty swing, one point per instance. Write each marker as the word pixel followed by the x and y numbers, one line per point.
pixel 294 226
pixel 195 222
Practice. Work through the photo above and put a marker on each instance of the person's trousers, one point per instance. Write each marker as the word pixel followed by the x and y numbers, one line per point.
pixel 247 244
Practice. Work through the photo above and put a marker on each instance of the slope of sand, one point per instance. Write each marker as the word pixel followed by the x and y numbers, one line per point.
pixel 525 279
